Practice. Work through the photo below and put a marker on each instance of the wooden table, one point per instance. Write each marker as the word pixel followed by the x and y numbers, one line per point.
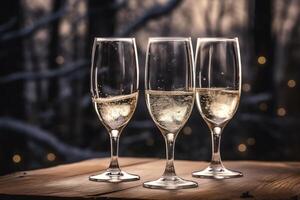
pixel 262 180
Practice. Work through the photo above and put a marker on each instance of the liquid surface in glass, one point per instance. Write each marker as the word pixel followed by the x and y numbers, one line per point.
pixel 217 105
pixel 169 109
pixel 116 111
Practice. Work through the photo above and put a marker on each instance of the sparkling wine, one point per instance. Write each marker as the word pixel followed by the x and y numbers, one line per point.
pixel 217 105
pixel 169 109
pixel 116 111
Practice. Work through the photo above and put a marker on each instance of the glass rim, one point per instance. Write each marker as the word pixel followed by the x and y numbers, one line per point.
pixel 216 39
pixel 162 39
pixel 128 39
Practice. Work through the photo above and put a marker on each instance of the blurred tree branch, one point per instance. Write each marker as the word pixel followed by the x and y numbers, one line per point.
pixel 262 119
pixel 152 13
pixel 66 70
pixel 26 31
pixel 44 21
pixel 9 24
pixel 257 98
pixel 43 137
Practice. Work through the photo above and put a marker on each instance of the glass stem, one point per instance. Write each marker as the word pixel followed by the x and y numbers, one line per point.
pixel 114 146
pixel 216 140
pixel 170 144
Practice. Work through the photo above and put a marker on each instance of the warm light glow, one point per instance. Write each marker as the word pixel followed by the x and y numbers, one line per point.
pixel 261 60
pixel 51 157
pixel 263 106
pixel 291 83
pixel 281 112
pixel 187 130
pixel 242 147
pixel 150 142
pixel 251 141
pixel 246 87
pixel 65 28
pixel 60 60
pixel 16 158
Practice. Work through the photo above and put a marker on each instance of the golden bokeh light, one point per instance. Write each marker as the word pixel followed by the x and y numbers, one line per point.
pixel 291 83
pixel 281 112
pixel 242 147
pixel 149 142
pixel 16 158
pixel 251 141
pixel 187 130
pixel 60 60
pixel 246 87
pixel 51 157
pixel 263 106
pixel 261 60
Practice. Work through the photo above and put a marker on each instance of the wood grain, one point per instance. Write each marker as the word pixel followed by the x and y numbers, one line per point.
pixel 262 180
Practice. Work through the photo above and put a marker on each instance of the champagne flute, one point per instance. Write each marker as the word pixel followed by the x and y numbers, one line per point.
pixel 169 83
pixel 114 88
pixel 218 90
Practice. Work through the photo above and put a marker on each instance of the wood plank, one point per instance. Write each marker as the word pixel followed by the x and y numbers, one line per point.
pixel 262 180
pixel 64 181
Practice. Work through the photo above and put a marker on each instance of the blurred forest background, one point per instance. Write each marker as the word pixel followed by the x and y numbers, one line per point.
pixel 46 115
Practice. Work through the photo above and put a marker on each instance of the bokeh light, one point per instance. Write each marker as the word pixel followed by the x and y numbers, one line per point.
pixel 263 106
pixel 16 158
pixel 187 130
pixel 150 142
pixel 251 141
pixel 261 60
pixel 51 157
pixel 246 87
pixel 281 112
pixel 291 83
pixel 242 147
pixel 60 60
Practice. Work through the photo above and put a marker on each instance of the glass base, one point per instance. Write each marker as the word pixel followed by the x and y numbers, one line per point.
pixel 217 173
pixel 170 183
pixel 114 177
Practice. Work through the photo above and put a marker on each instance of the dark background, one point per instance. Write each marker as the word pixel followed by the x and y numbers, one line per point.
pixel 46 115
